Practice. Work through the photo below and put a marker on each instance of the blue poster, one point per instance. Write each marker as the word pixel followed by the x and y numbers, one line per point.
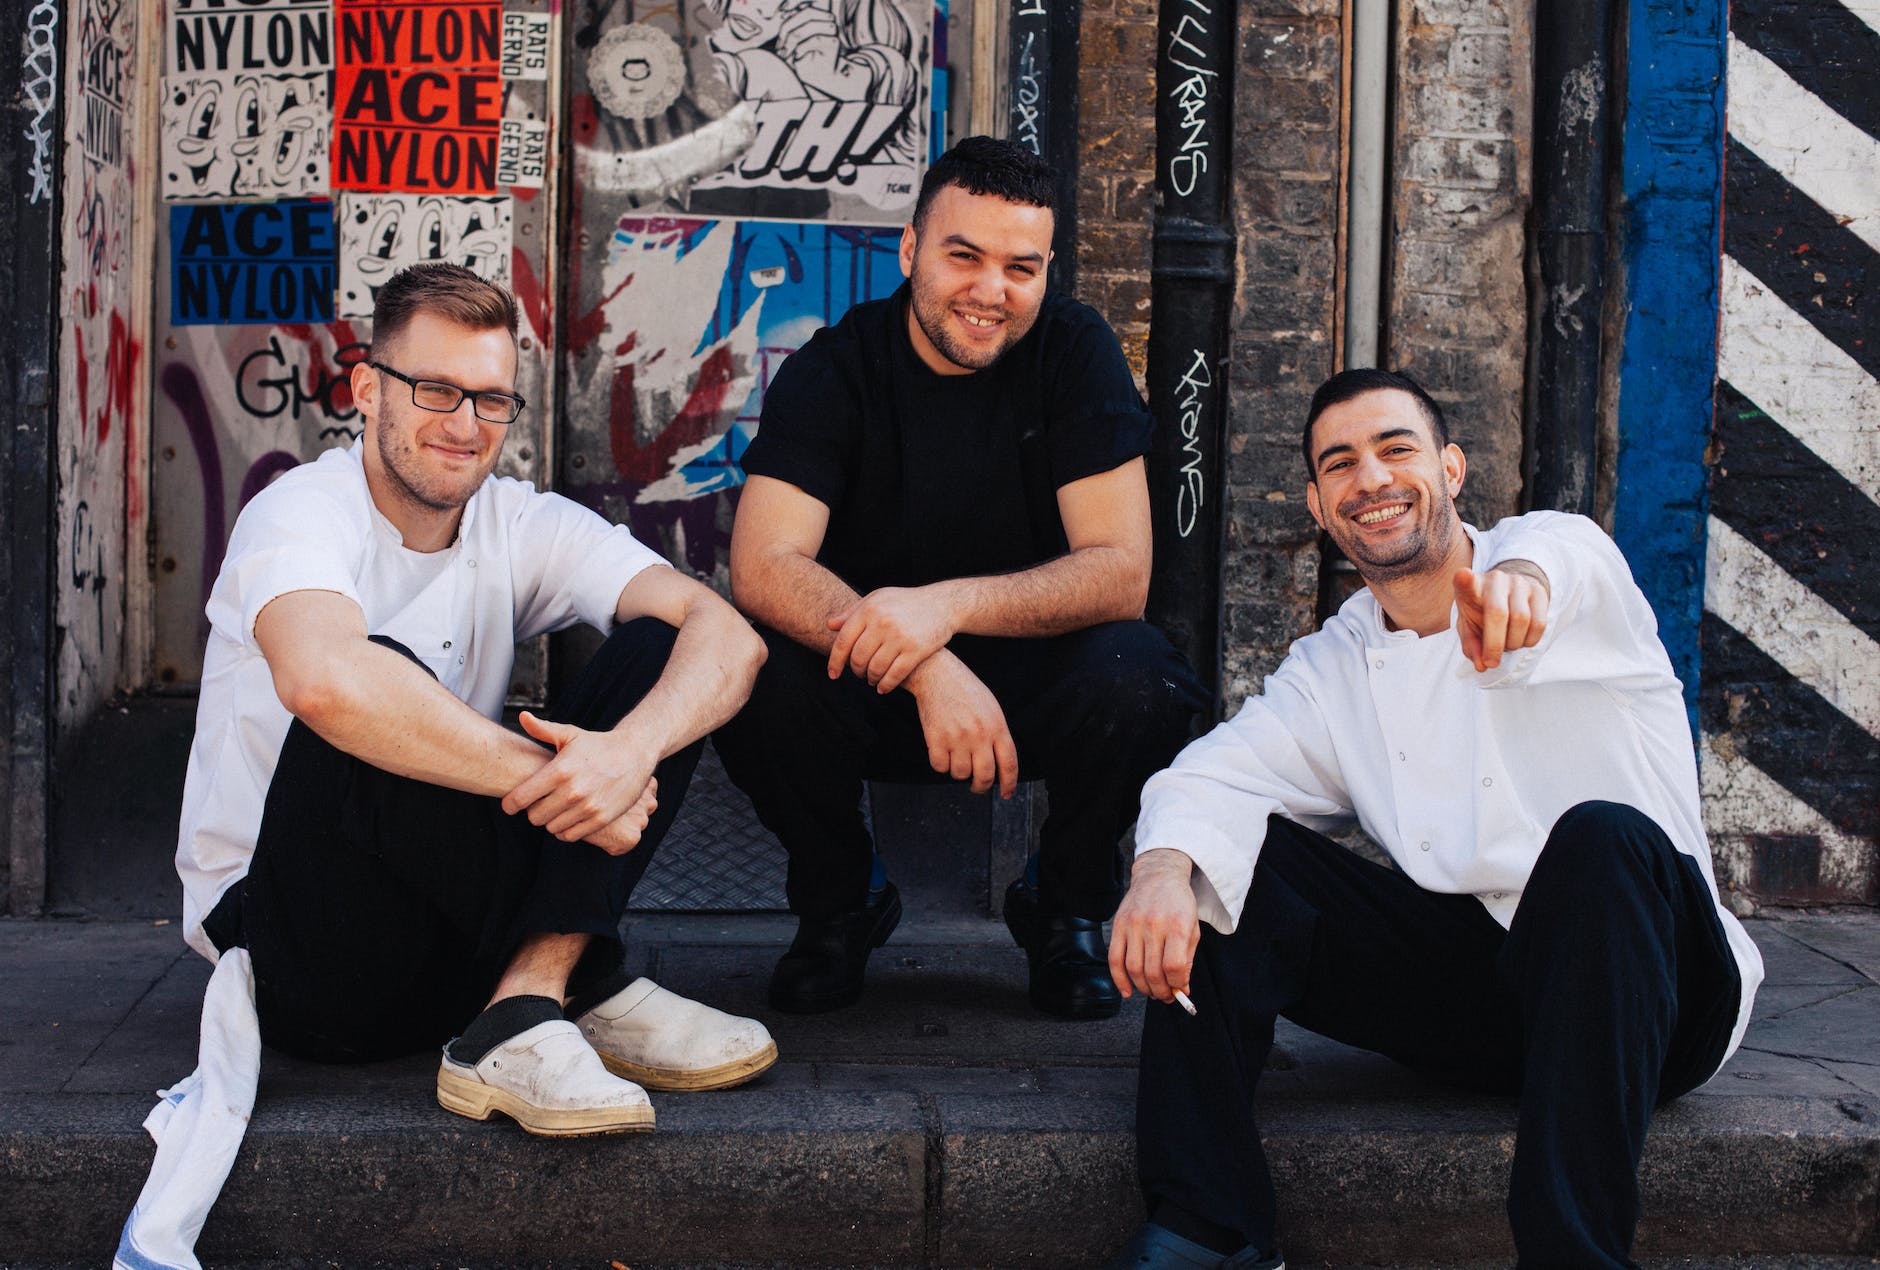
pixel 244 264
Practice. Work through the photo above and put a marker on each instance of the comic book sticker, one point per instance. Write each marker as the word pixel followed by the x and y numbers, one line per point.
pixel 776 109
pixel 244 135
pixel 418 97
pixel 522 157
pixel 235 264
pixel 272 36
pixel 383 233
pixel 525 45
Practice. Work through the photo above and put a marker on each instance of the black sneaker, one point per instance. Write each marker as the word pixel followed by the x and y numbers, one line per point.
pixel 1157 1248
pixel 1070 967
pixel 823 969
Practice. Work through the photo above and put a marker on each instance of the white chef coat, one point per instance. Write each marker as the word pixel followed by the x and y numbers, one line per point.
pixel 1458 775
pixel 523 563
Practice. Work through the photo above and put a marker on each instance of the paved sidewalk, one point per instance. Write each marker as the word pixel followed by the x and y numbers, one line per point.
pixel 940 1123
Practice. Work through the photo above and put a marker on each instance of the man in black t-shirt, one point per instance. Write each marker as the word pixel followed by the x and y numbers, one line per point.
pixel 944 538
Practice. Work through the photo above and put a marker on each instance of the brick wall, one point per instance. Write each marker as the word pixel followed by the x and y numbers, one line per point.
pixel 1460 191
pixel 1286 205
pixel 1116 176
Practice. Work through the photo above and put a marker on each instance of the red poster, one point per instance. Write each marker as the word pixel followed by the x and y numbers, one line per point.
pixel 418 96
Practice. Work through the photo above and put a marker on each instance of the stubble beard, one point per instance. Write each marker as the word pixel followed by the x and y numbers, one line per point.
pixel 931 312
pixel 1423 550
pixel 400 465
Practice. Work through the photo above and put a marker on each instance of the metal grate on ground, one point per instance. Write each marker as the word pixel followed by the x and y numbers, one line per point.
pixel 717 858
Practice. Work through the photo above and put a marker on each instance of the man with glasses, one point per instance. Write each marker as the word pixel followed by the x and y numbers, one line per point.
pixel 404 871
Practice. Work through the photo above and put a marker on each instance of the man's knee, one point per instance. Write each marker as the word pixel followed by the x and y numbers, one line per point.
pixel 1132 675
pixel 1593 840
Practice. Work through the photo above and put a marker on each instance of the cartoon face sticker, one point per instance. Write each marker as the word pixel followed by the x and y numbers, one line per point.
pixel 244 136
pixel 383 233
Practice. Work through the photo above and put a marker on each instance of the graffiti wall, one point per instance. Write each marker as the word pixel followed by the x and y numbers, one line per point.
pixel 101 354
pixel 312 148
pixel 1790 635
pixel 741 172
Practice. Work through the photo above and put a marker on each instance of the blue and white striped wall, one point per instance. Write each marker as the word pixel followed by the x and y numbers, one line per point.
pixel 1769 492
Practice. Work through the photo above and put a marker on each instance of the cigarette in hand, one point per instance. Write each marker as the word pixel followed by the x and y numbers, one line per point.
pixel 1181 999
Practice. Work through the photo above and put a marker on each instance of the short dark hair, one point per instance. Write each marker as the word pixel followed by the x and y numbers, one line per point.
pixel 446 290
pixel 1347 384
pixel 990 165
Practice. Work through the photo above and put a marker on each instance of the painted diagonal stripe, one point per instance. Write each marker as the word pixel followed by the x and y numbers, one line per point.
pixel 1798 511
pixel 1797 134
pixel 1744 810
pixel 1819 394
pixel 1867 11
pixel 1790 623
pixel 1786 729
pixel 1812 264
pixel 1823 47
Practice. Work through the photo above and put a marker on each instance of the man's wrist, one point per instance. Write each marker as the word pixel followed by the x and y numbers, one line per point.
pixel 923 676
pixel 1160 860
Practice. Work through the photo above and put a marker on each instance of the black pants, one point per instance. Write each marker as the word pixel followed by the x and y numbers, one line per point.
pixel 1613 991
pixel 380 910
pixel 1093 713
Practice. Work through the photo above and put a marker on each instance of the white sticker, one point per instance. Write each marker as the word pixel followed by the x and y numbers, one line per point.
pixel 522 154
pixel 242 135
pixel 525 45
pixel 379 234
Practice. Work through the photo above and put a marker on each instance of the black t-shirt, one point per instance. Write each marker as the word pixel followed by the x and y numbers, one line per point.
pixel 931 476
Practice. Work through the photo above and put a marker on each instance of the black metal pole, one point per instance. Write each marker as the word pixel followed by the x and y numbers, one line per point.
pixel 31 128
pixel 1191 291
pixel 1573 121
pixel 1045 43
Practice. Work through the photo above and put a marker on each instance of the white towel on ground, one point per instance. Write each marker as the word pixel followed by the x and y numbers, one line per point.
pixel 198 1126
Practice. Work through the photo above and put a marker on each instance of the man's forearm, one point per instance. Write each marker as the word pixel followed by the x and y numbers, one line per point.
pixel 708 676
pixel 383 709
pixel 1074 591
pixel 791 593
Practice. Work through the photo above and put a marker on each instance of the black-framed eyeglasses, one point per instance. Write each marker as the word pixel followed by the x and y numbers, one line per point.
pixel 435 394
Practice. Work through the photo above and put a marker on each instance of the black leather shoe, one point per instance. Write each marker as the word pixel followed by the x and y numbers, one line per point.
pixel 1070 968
pixel 1157 1248
pixel 823 969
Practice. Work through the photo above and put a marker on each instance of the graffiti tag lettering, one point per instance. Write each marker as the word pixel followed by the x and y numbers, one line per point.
pixel 1193 388
pixel 1187 51
pixel 804 137
pixel 268 383
pixel 39 77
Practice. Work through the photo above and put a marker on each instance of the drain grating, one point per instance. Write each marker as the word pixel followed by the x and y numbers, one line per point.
pixel 717 858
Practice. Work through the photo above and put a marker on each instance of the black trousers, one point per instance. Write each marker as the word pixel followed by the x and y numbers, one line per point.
pixel 380 910
pixel 1613 991
pixel 1093 713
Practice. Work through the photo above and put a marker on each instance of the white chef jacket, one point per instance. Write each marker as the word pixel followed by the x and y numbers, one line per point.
pixel 523 563
pixel 1458 775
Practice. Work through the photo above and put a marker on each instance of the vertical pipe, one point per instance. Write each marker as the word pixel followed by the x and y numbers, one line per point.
pixel 1365 216
pixel 1191 290
pixel 1042 64
pixel 1567 257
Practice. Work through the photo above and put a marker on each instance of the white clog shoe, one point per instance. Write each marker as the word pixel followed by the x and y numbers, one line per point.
pixel 664 1041
pixel 547 1079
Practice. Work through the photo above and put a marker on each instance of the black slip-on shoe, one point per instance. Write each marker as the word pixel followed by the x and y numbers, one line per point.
pixel 823 969
pixel 1157 1248
pixel 1070 967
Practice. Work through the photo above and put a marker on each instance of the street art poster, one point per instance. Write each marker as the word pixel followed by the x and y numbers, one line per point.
pixel 784 109
pixel 697 317
pixel 418 97
pixel 243 264
pixel 272 37
pixel 379 234
pixel 244 135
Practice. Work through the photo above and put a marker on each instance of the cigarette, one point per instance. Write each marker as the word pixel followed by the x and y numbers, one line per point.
pixel 1181 999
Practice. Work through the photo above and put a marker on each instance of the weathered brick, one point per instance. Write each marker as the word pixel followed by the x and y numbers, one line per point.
pixel 1299 151
pixel 1473 13
pixel 1287 201
pixel 1263 102
pixel 1129 297
pixel 1482 110
pixel 1256 9
pixel 1457 161
pixel 1467 209
pixel 1289 50
pixel 1117 44
pixel 1133 198
pixel 1485 55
